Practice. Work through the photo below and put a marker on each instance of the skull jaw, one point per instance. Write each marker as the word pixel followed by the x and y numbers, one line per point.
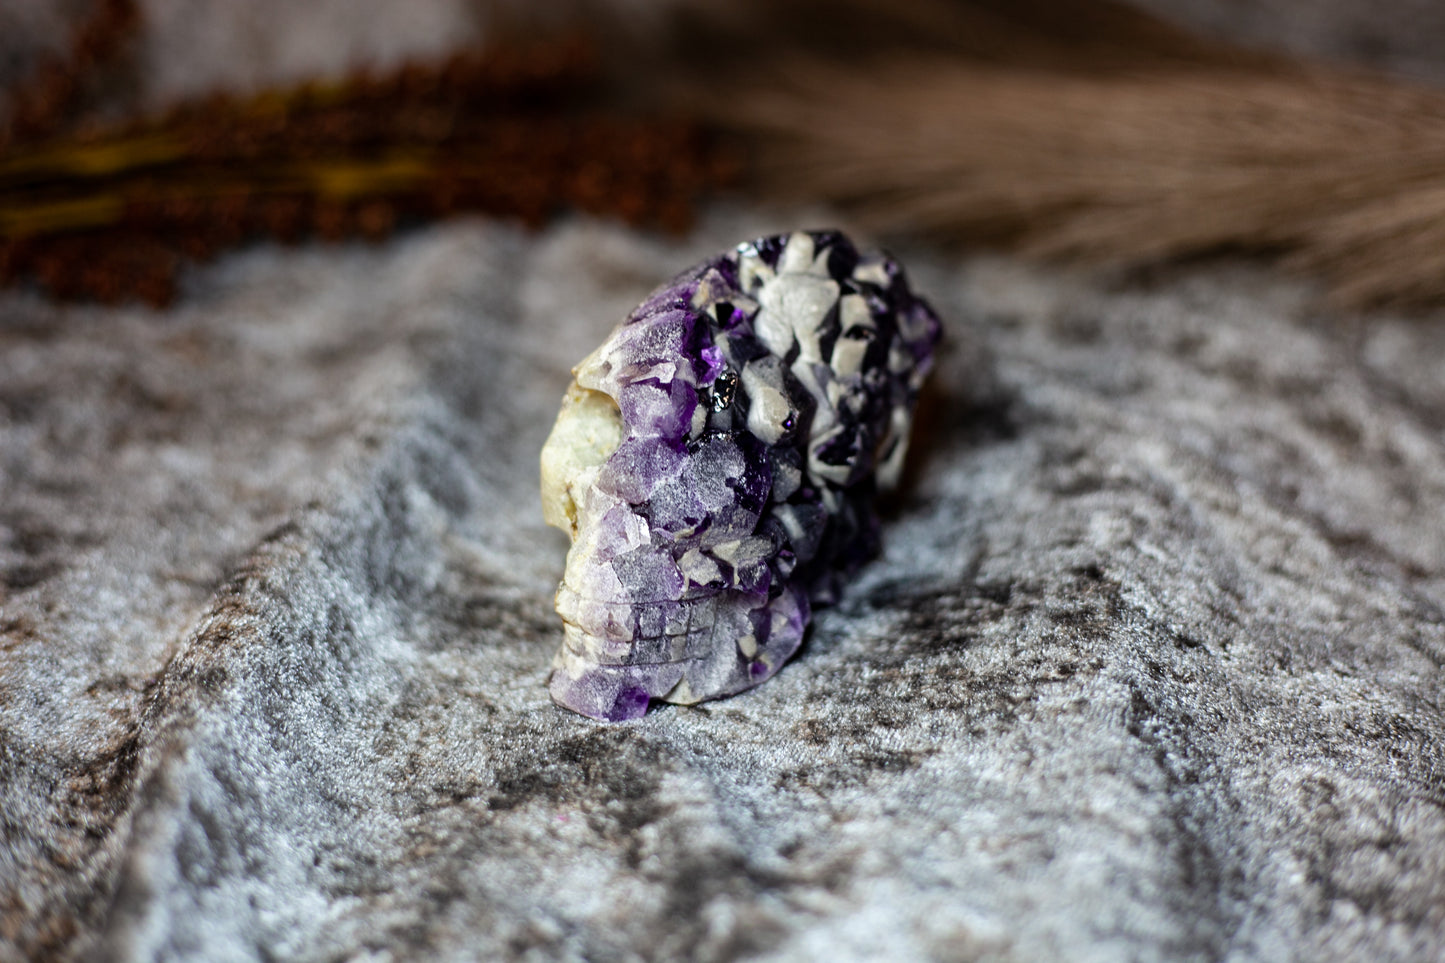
pixel 615 691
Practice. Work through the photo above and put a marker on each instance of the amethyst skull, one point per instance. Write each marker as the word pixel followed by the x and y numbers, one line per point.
pixel 715 463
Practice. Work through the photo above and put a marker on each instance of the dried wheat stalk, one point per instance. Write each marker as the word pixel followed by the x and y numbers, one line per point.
pixel 1345 173
pixel 1092 131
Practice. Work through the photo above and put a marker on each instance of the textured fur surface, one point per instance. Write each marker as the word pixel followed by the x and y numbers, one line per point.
pixel 1150 667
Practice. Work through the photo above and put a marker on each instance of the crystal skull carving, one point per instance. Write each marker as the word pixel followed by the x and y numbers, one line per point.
pixel 715 462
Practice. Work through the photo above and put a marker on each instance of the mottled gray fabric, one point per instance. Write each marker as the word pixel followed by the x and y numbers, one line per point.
pixel 1150 668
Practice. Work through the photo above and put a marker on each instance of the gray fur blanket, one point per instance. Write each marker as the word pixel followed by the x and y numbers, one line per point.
pixel 1150 667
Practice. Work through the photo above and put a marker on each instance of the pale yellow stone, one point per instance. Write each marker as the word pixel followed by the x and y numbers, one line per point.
pixel 587 431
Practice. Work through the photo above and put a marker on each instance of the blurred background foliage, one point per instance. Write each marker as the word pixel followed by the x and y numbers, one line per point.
pixel 1084 129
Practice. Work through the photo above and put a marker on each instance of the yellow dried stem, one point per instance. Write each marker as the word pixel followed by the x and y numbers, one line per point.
pixel 1344 171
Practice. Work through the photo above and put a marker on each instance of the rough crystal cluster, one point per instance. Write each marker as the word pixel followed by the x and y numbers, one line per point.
pixel 715 462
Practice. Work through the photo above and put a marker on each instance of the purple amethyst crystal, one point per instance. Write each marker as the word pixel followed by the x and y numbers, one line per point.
pixel 715 463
